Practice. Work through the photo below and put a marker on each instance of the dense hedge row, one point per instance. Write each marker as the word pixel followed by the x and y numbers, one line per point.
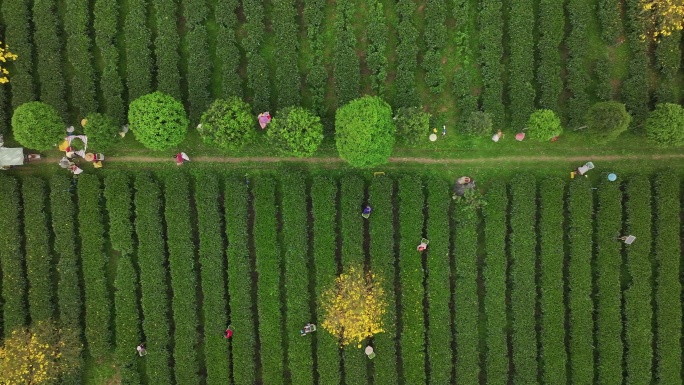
pixel 465 292
pixel 376 51
pixel 521 91
pixel 551 25
pixel 466 101
pixel 268 280
pixel 434 41
pixel 14 284
pixel 15 14
pixel 78 45
pixel 581 341
pixel 70 304
pixel 166 43
pixel 580 12
pixel 119 203
pixel 551 258
pixel 668 288
pixel 199 60
pixel 257 70
pixel 607 284
pixel 181 252
pixel 407 56
pixel 347 66
pixel 49 54
pixel 37 250
pixel 352 234
pixel 296 241
pixel 153 277
pixel 381 229
pixel 668 61
pixel 494 274
pixel 285 28
pixel 411 275
pixel 105 25
pixel 522 250
pixel 97 303
pixel 226 47
pixel 611 23
pixel 491 52
pixel 635 90
pixel 138 56
pixel 316 75
pixel 323 194
pixel 638 312
pixel 212 276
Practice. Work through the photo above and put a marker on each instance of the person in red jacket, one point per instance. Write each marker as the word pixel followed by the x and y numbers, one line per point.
pixel 228 333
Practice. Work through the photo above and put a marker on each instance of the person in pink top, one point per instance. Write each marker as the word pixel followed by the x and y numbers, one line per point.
pixel 264 119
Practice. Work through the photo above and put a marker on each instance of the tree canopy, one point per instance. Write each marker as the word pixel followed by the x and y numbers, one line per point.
pixel 295 131
pixel 158 121
pixel 37 125
pixel 228 123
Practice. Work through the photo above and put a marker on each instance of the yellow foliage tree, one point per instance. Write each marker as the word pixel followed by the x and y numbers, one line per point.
pixel 5 55
pixel 32 356
pixel 666 15
pixel 354 306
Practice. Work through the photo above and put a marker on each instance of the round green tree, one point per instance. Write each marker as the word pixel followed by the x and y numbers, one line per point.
pixel 102 132
pixel 413 125
pixel 479 124
pixel 38 126
pixel 158 121
pixel 607 120
pixel 364 131
pixel 295 131
pixel 228 123
pixel 665 125
pixel 544 125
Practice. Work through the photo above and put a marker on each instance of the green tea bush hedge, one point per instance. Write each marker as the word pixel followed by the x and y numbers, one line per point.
pixel 665 125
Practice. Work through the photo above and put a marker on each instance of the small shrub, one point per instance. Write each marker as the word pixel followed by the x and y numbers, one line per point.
pixel 102 131
pixel 479 124
pixel 228 123
pixel 544 125
pixel 607 120
pixel 158 121
pixel 413 125
pixel 295 131
pixel 364 131
pixel 37 125
pixel 665 125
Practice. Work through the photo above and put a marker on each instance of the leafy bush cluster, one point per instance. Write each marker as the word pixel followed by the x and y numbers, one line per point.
pixel 138 40
pixel 347 65
pixel 438 286
pixel 607 282
pixel 551 21
pixel 17 35
pixel 316 75
pixel 296 131
pixel 199 58
pixel 364 131
pixel 323 192
pixel 153 282
pixel 668 287
pixel 285 29
pixel 635 90
pixel 211 259
pixel 98 306
pixel 413 125
pixel 412 333
pixel 257 70
pixel 581 340
pixel 158 121
pixel 119 204
pixel 607 120
pixel 435 37
pixel 166 43
pixel 228 124
pixel 665 125
pixel 551 259
pixel 491 52
pixel 70 303
pixel 106 15
pixel 181 251
pixel 479 123
pixel 227 49
pixel 102 132
pixel 407 56
pixel 544 125
pixel 268 262
pixel 580 12
pixel 521 62
pixel 37 125
pixel 49 63
pixel 381 231
pixel 376 55
pixel 78 45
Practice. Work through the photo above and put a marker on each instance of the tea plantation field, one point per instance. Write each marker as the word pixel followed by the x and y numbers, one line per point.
pixel 534 287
